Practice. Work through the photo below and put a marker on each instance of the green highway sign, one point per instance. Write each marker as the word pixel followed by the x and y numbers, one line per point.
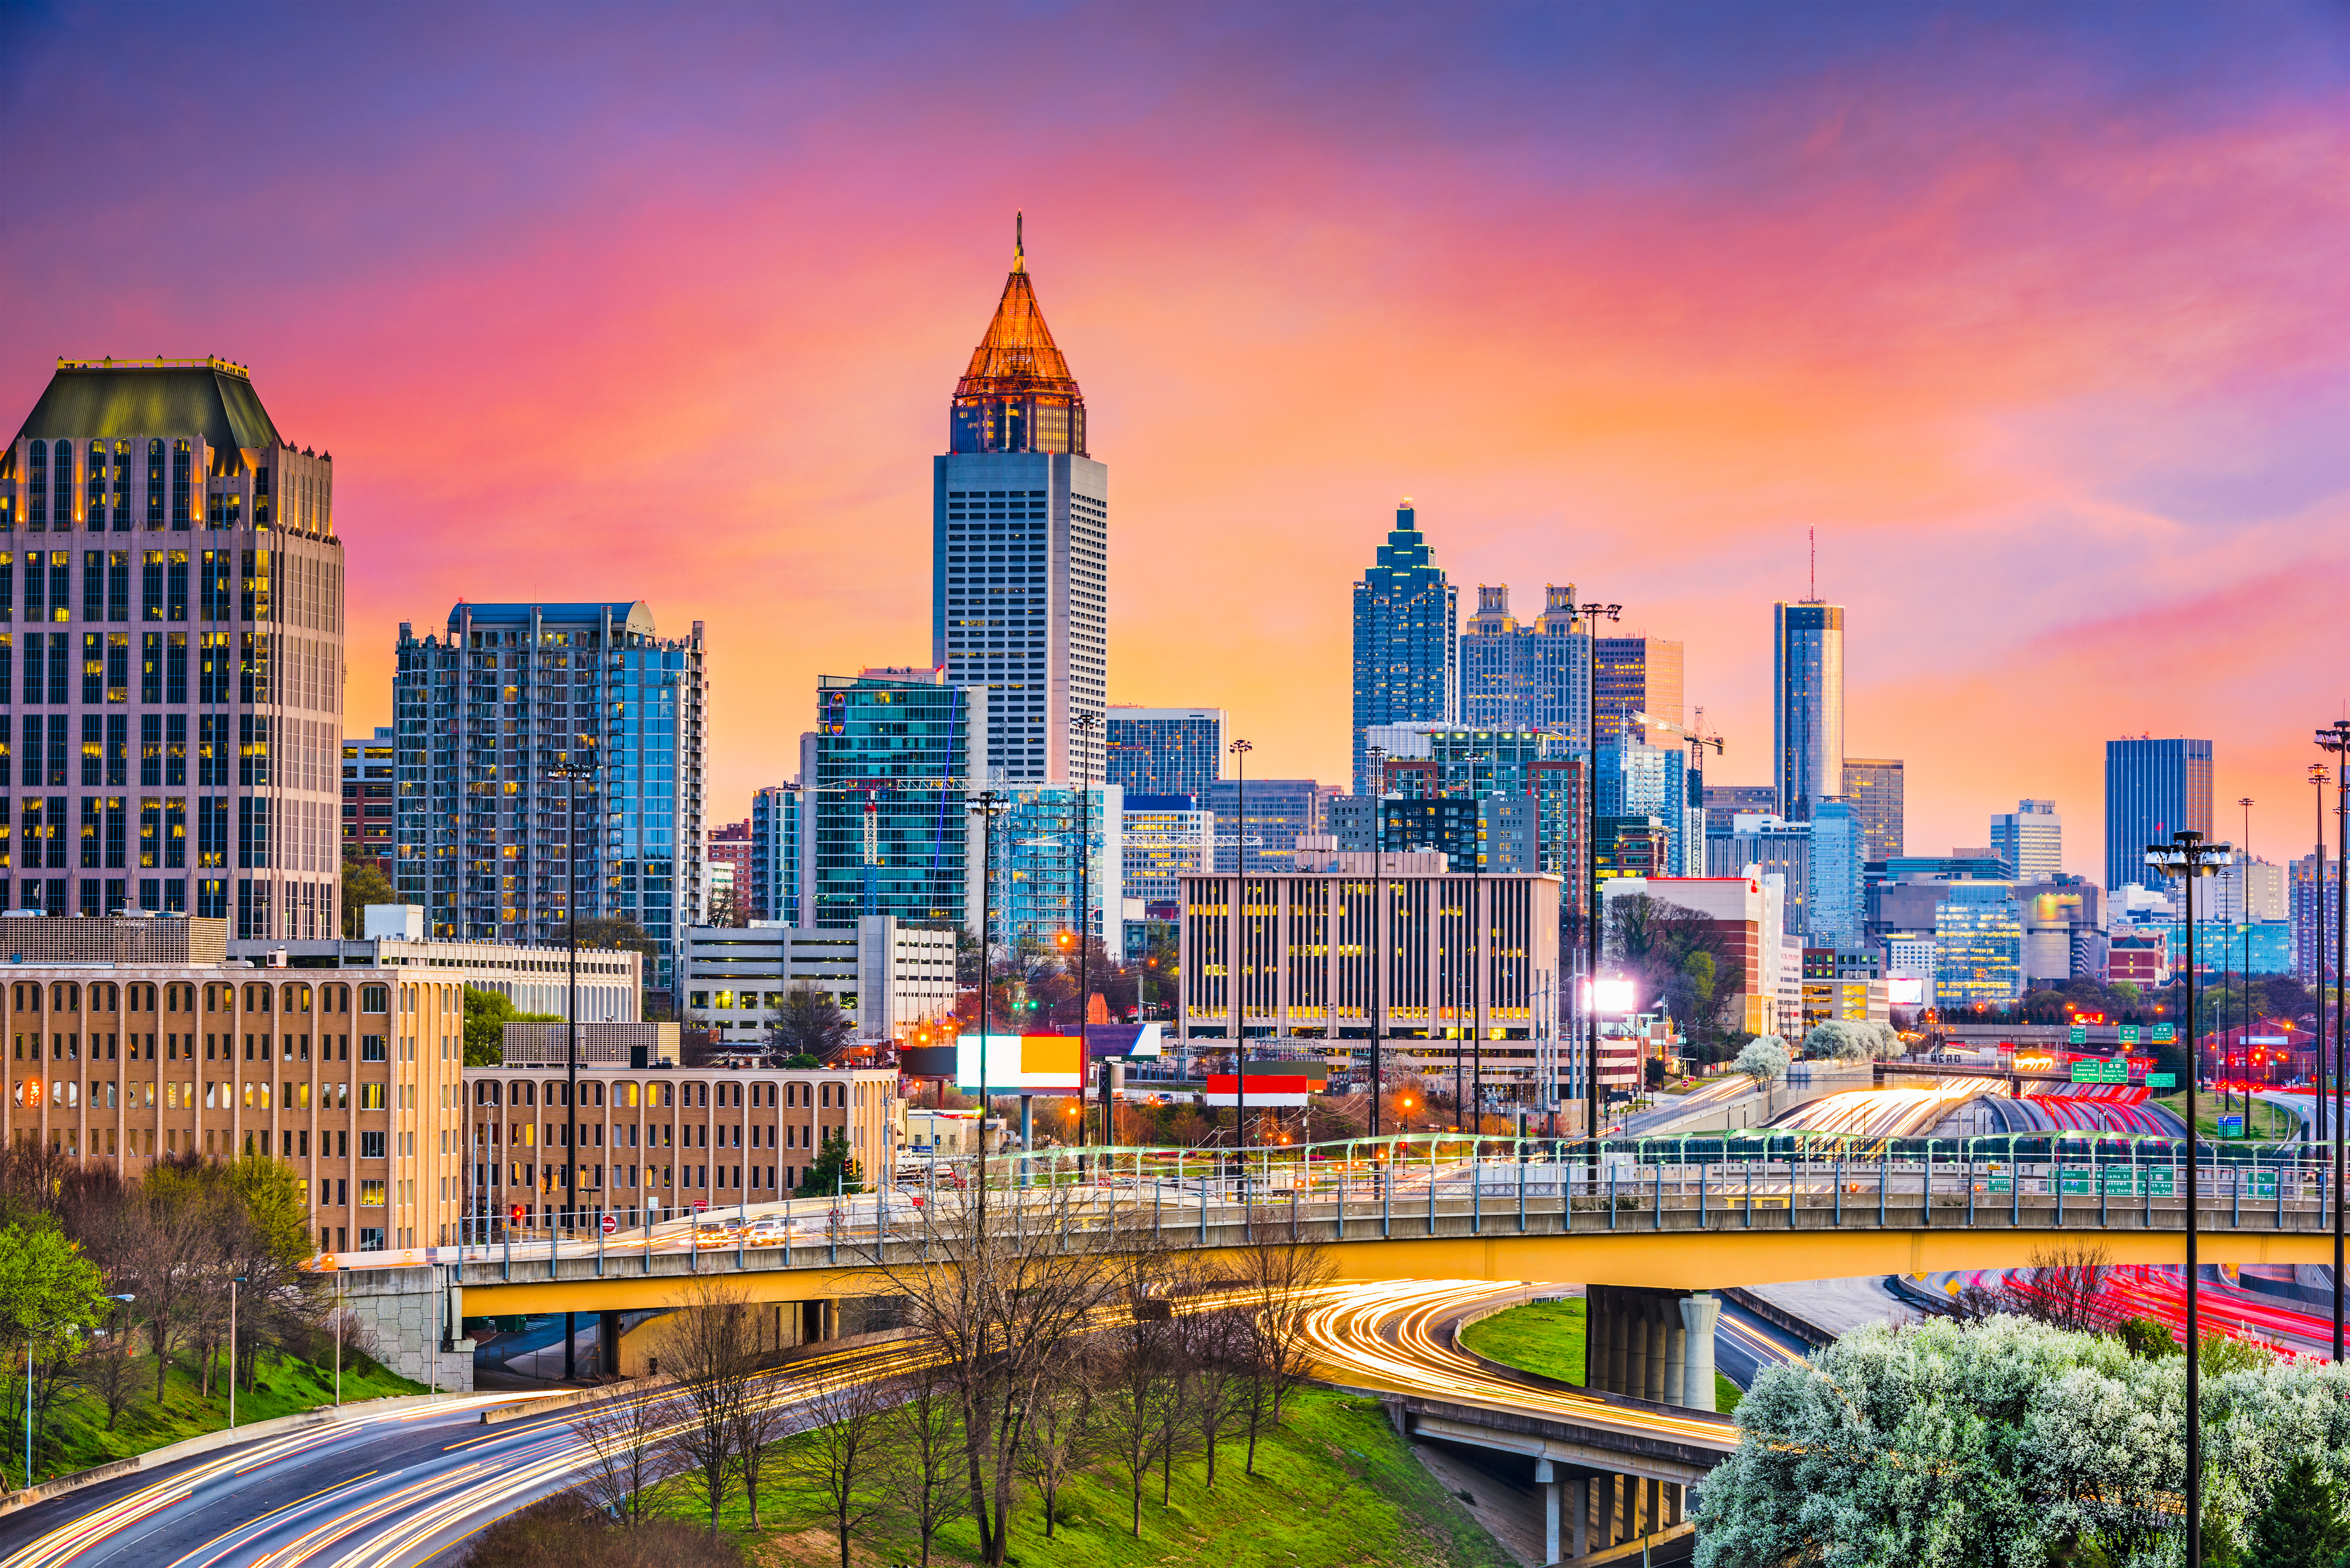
pixel 2164 1034
pixel 2130 1033
pixel 2162 1080
pixel 2079 1034
pixel 2101 1072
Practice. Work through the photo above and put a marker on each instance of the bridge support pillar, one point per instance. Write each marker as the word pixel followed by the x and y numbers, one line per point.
pixel 1579 1535
pixel 1660 1368
pixel 1699 1315
pixel 1547 1479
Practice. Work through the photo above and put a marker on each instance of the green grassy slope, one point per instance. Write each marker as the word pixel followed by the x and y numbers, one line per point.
pixel 1547 1338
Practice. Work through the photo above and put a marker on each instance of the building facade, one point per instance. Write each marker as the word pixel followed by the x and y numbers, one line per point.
pixel 371 818
pixel 1407 666
pixel 2030 839
pixel 1724 803
pixel 1978 946
pixel 1165 751
pixel 728 870
pixel 1807 704
pixel 1019 551
pixel 1517 676
pixel 491 844
pixel 181 562
pixel 890 976
pixel 778 830
pixel 2153 789
pixel 1059 851
pixel 1769 847
pixel 1166 837
pixel 1834 913
pixel 2315 894
pixel 891 766
pixel 1873 784
pixel 1279 812
pixel 1634 675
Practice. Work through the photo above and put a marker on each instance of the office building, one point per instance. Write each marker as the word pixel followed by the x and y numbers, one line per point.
pixel 2030 839
pixel 609 982
pixel 1527 676
pixel 1873 784
pixel 487 714
pixel 1279 812
pixel 726 900
pixel 1635 675
pixel 1055 846
pixel 2315 894
pixel 1513 797
pixel 181 559
pixel 1807 704
pixel 1662 782
pixel 1407 657
pixel 2250 889
pixel 888 976
pixel 1634 846
pixel 1745 913
pixel 1165 751
pixel 1835 914
pixel 891 770
pixel 1469 959
pixel 778 831
pixel 2153 789
pixel 1019 551
pixel 1978 946
pixel 370 821
pixel 1844 984
pixel 1725 801
pixel 1767 846
pixel 1166 837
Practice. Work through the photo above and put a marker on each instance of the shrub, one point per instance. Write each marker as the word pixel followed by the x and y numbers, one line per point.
pixel 564 1532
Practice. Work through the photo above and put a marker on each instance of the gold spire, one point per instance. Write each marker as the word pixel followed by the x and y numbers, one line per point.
pixel 1019 248
pixel 1018 355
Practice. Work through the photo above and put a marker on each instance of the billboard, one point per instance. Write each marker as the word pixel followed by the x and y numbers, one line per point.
pixel 1905 990
pixel 1615 995
pixel 1270 1083
pixel 1022 1064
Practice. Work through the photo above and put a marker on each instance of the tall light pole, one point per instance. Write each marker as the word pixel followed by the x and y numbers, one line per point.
pixel 1379 760
pixel 2245 918
pixel 985 807
pixel 1592 614
pixel 2336 738
pixel 2317 958
pixel 2187 856
pixel 571 775
pixel 1240 749
pixel 1085 724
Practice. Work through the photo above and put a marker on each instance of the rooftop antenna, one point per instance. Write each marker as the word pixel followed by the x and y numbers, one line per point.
pixel 1815 533
pixel 1019 241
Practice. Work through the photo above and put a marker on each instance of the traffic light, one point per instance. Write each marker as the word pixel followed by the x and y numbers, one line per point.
pixel 514 1215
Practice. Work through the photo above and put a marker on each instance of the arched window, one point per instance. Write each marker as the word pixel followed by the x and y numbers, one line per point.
pixel 182 487
pixel 155 483
pixel 61 488
pixel 36 488
pixel 26 998
pixel 295 999
pixel 256 998
pixel 121 486
pixel 103 998
pixel 94 500
pixel 64 997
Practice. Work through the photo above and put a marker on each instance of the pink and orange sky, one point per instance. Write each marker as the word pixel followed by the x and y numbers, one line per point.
pixel 2036 314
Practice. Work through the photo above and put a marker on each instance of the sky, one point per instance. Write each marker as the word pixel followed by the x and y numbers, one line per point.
pixel 2035 314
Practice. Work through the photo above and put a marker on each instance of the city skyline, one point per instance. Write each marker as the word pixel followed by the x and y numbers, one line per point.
pixel 2061 503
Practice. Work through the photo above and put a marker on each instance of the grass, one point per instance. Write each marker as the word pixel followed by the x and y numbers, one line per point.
pixel 75 1436
pixel 2263 1122
pixel 1335 1486
pixel 1546 1338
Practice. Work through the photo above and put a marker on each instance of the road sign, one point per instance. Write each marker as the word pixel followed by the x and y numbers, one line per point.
pixel 700 1204
pixel 2101 1072
pixel 2079 1034
pixel 2231 1127
pixel 2164 1034
pixel 611 1224
pixel 2130 1033
pixel 2162 1080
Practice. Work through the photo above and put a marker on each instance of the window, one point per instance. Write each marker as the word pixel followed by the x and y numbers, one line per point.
pixel 212 751
pixel 213 571
pixel 93 667
pixel 36 489
pixel 253 587
pixel 175 668
pixel 371 1197
pixel 150 586
pixel 155 483
pixel 375 999
pixel 151 751
pixel 372 1145
pixel 118 667
pixel 371 1048
pixel 117 584
pixel 372 1097
pixel 181 486
pixel 175 592
pixel 252 667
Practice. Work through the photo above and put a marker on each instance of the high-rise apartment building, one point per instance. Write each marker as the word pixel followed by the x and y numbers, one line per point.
pixel 2030 839
pixel 1638 780
pixel 1407 657
pixel 728 900
pixel 488 713
pixel 1020 550
pixel 2153 789
pixel 1635 675
pixel 1873 784
pixel 892 773
pixel 1279 811
pixel 1515 675
pixel 2251 890
pixel 1725 801
pixel 1836 914
pixel 1060 851
pixel 370 821
pixel 1166 837
pixel 1165 751
pixel 1769 847
pixel 1807 704
pixel 178 666
pixel 778 830
pixel 2315 894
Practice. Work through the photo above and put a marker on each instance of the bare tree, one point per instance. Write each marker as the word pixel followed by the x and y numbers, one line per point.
pixel 2066 1287
pixel 706 1346
pixel 110 1367
pixel 844 1455
pixel 1138 1371
pixel 624 1445
pixel 927 1445
pixel 1059 1422
pixel 1216 1349
pixel 1278 1282
pixel 761 1418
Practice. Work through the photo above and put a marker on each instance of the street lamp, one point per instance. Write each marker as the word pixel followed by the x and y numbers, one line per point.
pixel 2336 738
pixel 2187 856
pixel 1086 724
pixel 1379 760
pixel 1592 613
pixel 1240 749
pixel 571 775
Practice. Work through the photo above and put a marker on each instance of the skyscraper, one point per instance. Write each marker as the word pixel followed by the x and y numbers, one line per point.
pixel 484 715
pixel 2153 789
pixel 891 775
pixel 1020 549
pixel 778 832
pixel 1279 811
pixel 1165 751
pixel 2030 839
pixel 1873 784
pixel 1407 657
pixel 1807 707
pixel 1515 675
pixel 148 476
pixel 1834 915
pixel 370 827
pixel 1635 675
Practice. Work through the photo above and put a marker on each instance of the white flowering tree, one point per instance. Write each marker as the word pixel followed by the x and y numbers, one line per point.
pixel 1845 1041
pixel 2001 1444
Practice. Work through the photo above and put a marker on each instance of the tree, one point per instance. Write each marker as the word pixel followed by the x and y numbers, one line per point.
pixel 1277 1284
pixel 833 1173
pixel 618 933
pixel 1058 1417
pixel 363 883
pixel 1843 1040
pixel 623 1439
pixel 1763 1059
pixel 2301 1527
pixel 559 1534
pixel 844 1456
pixel 707 1346
pixel 926 1445
pixel 811 1023
pixel 50 1296
pixel 109 1366
pixel 487 1013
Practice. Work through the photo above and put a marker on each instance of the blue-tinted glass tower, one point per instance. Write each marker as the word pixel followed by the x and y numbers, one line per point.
pixel 2153 789
pixel 1407 649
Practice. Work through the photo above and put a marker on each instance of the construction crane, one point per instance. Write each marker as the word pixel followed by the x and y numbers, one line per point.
pixel 1696 739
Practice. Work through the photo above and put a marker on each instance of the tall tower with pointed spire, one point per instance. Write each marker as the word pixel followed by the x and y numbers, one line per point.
pixel 1020 549
pixel 1406 652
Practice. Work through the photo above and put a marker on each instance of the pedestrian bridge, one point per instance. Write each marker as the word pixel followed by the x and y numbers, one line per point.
pixel 1680 1214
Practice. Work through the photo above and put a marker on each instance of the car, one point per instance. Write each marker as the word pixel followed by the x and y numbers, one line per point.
pixel 709 1232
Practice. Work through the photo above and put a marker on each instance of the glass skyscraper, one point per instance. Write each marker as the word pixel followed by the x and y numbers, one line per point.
pixel 1524 677
pixel 1040 841
pixel 892 773
pixel 170 654
pixel 2153 789
pixel 1406 655
pixel 1166 751
pixel 487 712
pixel 1837 916
pixel 1807 706
pixel 1978 945
pixel 777 833
pixel 1635 675
pixel 1020 550
pixel 1873 784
